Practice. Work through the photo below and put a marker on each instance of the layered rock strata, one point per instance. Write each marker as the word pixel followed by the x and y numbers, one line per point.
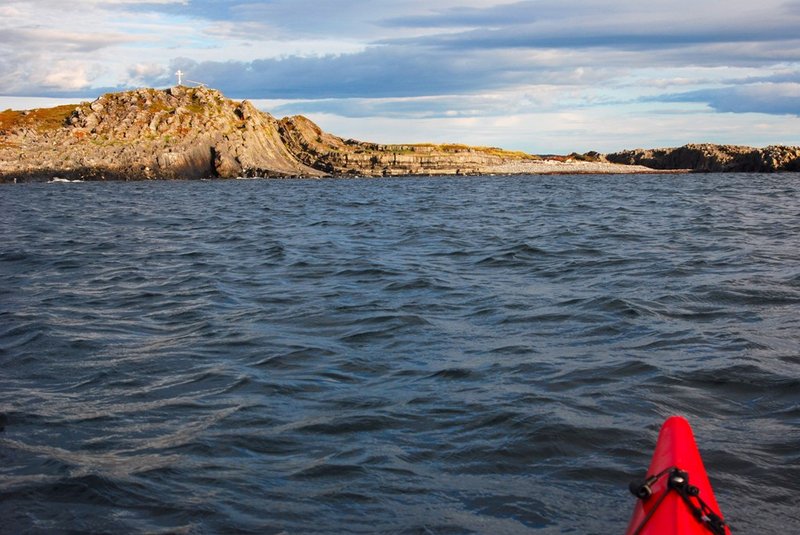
pixel 336 156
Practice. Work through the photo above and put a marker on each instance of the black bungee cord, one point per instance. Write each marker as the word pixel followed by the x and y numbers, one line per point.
pixel 679 482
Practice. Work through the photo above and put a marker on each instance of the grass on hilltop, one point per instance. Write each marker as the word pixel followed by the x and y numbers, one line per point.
pixel 459 147
pixel 42 119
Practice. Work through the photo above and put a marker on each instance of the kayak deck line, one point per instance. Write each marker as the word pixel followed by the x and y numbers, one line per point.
pixel 678 481
pixel 676 496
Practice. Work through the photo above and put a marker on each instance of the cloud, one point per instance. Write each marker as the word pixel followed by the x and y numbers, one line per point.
pixel 10 74
pixel 767 98
pixel 534 99
pixel 384 71
pixel 506 14
pixel 9 11
pixel 68 41
pixel 41 67
pixel 779 75
pixel 620 37
pixel 67 75
pixel 110 3
pixel 251 30
pixel 413 108
pixel 605 129
pixel 375 72
pixel 139 73
pixel 445 63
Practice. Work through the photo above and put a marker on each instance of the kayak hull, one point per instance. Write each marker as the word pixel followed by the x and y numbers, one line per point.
pixel 666 512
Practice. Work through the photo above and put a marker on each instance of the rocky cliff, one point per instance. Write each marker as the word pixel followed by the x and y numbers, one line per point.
pixel 177 133
pixel 714 158
pixel 337 156
pixel 196 132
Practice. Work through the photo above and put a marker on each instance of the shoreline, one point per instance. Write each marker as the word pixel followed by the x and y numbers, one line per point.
pixel 555 167
pixel 517 169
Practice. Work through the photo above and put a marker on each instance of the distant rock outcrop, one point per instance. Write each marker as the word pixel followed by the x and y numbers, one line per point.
pixel 714 158
pixel 176 133
pixel 337 156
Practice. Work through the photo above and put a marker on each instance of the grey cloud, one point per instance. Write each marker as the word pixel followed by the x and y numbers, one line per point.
pixel 375 72
pixel 291 19
pixel 605 37
pixel 510 14
pixel 421 108
pixel 659 27
pixel 363 107
pixel 61 41
pixel 506 14
pixel 412 71
pixel 207 9
pixel 524 43
pixel 771 99
pixel 780 77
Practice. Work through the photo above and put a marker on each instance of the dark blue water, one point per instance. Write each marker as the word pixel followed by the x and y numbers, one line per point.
pixel 482 355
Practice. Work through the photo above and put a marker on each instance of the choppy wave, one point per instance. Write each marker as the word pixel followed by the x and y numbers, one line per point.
pixel 485 355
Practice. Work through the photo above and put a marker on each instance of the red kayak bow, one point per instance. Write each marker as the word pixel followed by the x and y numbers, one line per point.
pixel 675 498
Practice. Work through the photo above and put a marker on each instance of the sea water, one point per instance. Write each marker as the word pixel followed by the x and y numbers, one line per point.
pixel 414 355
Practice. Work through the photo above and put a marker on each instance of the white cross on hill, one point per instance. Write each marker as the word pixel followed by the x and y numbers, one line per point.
pixel 180 74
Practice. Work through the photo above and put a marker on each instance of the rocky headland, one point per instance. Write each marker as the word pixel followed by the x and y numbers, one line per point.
pixel 177 133
pixel 187 133
pixel 708 158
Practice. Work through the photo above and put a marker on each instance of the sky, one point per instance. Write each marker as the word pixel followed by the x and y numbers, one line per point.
pixel 543 76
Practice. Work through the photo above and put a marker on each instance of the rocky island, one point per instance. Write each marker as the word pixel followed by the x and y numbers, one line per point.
pixel 184 133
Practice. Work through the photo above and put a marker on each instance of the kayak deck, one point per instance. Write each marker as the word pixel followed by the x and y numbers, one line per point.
pixel 676 496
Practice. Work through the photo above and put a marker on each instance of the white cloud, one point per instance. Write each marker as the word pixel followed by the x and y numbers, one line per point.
pixel 68 41
pixel 9 11
pixel 66 79
pixel 140 72
pixel 439 67
pixel 68 75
